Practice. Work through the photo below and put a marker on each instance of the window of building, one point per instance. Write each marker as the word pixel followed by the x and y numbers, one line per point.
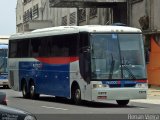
pixel 24 2
pixel 107 16
pixel 25 16
pixel 35 11
pixel 73 18
pixel 135 1
pixel 64 21
pixel 93 12
pixel 30 14
pixel 82 14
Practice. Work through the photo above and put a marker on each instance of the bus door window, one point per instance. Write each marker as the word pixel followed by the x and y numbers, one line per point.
pixel 84 57
pixel 85 64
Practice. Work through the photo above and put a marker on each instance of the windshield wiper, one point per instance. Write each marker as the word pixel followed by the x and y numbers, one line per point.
pixel 128 70
pixel 112 67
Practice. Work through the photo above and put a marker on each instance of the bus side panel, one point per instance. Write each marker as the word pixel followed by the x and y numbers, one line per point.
pixel 48 78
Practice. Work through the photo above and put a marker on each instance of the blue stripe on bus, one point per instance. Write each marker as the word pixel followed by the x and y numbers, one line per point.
pixel 49 78
pixel 122 83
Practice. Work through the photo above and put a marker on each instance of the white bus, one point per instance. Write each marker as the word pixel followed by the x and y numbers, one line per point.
pixel 3 61
pixel 93 63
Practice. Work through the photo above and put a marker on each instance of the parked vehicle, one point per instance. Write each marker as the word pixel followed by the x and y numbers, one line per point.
pixel 3 98
pixel 3 62
pixel 8 113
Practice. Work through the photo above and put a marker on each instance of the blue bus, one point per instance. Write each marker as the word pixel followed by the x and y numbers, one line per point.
pixel 93 63
pixel 3 65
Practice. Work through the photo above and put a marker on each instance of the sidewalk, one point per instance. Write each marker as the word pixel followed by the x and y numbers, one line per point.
pixel 153 96
pixel 154 92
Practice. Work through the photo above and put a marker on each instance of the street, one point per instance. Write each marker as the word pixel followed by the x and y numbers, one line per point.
pixel 48 105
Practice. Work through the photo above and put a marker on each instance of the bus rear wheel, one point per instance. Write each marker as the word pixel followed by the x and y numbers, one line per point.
pixel 76 95
pixel 24 90
pixel 122 102
pixel 33 94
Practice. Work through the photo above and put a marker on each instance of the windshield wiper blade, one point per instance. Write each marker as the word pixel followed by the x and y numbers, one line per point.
pixel 124 65
pixel 111 68
pixel 129 71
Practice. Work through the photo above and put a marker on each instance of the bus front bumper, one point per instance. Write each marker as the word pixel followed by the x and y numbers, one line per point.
pixel 102 95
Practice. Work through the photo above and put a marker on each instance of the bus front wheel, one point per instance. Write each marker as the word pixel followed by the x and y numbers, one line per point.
pixel 122 102
pixel 24 90
pixel 76 95
pixel 33 94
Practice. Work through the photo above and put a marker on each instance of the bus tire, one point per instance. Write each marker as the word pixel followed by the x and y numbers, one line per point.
pixel 76 95
pixel 33 94
pixel 25 93
pixel 122 102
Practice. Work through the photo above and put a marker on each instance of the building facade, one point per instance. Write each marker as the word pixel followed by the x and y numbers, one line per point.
pixel 34 14
pixel 30 15
pixel 144 15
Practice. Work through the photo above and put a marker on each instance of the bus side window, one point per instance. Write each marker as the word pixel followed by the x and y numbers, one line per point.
pixel 35 47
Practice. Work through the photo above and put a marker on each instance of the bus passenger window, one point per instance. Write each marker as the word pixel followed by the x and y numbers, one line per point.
pixel 35 44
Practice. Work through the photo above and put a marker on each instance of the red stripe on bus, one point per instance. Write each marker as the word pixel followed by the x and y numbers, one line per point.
pixel 143 81
pixel 58 60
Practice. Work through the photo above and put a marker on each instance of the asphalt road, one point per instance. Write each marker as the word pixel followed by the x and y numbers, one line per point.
pixel 48 107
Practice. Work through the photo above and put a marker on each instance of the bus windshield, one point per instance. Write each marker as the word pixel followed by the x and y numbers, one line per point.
pixel 117 56
pixel 3 60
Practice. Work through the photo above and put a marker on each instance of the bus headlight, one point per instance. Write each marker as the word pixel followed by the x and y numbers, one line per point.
pixel 141 85
pixel 100 86
pixel 30 118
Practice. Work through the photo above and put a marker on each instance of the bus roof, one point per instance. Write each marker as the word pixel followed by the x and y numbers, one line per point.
pixel 75 29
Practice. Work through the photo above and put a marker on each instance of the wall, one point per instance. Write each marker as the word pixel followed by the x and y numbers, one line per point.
pixel 137 11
